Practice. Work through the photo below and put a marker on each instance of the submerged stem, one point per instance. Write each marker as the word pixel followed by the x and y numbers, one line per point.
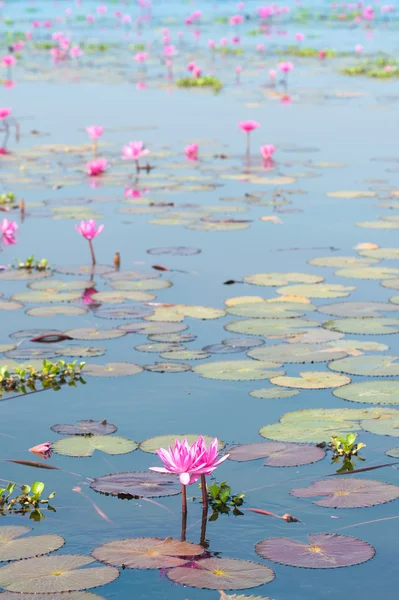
pixel 93 258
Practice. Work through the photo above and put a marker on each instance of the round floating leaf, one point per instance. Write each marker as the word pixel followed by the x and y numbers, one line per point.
pixel 91 333
pixel 340 261
pixel 323 290
pixel 357 309
pixel 146 553
pixel 81 351
pixel 278 454
pixel 277 279
pixel 7 347
pixel 381 253
pixel 314 336
pixel 52 311
pixel 10 304
pixel 394 452
pixel 348 492
pixel 185 354
pixel 273 392
pixel 222 349
pixel 323 551
pixel 242 342
pixel 167 367
pixel 57 285
pixel 86 445
pixel 172 338
pixel 374 366
pixel 222 574
pixel 112 369
pixel 153 444
pixel 271 327
pixel 130 276
pixel 297 353
pixel 355 347
pixel 30 353
pixel 85 427
pixel 219 225
pixel 141 285
pixel 391 284
pixel 159 347
pixel 239 370
pixel 117 297
pixel 137 484
pixel 175 250
pixel 388 426
pixel 224 596
pixel 54 574
pixel 12 548
pixel 312 380
pixel 152 328
pixel 352 194
pixel 364 325
pixel 54 596
pixel 368 273
pixel 27 334
pixel 377 225
pixel 87 270
pixel 266 310
pixel 124 312
pixel 37 297
pixel 22 275
pixel 371 392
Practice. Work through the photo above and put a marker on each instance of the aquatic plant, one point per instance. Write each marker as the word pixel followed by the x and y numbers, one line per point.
pixel 31 264
pixel 89 230
pixel 7 198
pixel 27 502
pixel 347 446
pixel 222 501
pixel 206 81
pixel 307 52
pixel 50 375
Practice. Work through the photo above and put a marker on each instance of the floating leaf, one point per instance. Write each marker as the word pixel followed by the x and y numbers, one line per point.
pixel 391 284
pixel 153 444
pixel 381 253
pixel 222 574
pixel 339 261
pixel 136 484
pixel 27 334
pixel 394 452
pixel 271 327
pixel 118 296
pixel 55 596
pixel 242 343
pixel 129 276
pixel 238 370
pixel 30 353
pixel 140 285
pixel 88 270
pixel 323 551
pixel 7 347
pixel 185 354
pixel 364 325
pixel 159 347
pixel 368 273
pixel 91 333
pixel 373 366
pixel 124 312
pixel 275 310
pixel 37 297
pixel 175 250
pixel 85 427
pixel 357 309
pixel 112 369
pixel 277 279
pixel 273 392
pixel 323 290
pixel 12 548
pixel 222 349
pixel 81 351
pixel 278 454
pixel 167 367
pixel 172 338
pixel 312 380
pixel 371 392
pixel 22 275
pixel 57 285
pixel 388 426
pixel 352 194
pixel 314 336
pixel 152 328
pixel 35 574
pixel 32 463
pixel 297 353
pixel 86 445
pixel 348 492
pixel 146 553
pixel 52 311
pixel 10 304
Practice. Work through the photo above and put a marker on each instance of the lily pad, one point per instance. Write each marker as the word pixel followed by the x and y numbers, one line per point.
pixel 38 297
pixel 391 284
pixel 357 309
pixel 371 392
pixel 348 492
pixel 91 333
pixel 381 253
pixel 323 551
pixel 277 279
pixel 312 380
pixel 175 251
pixel 152 328
pixel 57 285
pixel 373 366
pixel 271 327
pixel 339 261
pixel 12 548
pixel 7 347
pixel 87 270
pixel 159 347
pixel 86 445
pixel 124 312
pixel 239 370
pixel 242 343
pixel 185 355
pixel 267 310
pixel 297 353
pixel 27 334
pixel 10 304
pixel 112 369
pixel 393 452
pixel 77 351
pixel 140 285
pixel 388 426
pixel 30 353
pixel 118 297
pixel 364 325
pixel 85 427
pixel 368 273
pixel 22 275
pixel 351 194
pixel 168 367
pixel 314 336
pixel 35 574
pixel 222 574
pixel 323 290
pixel 273 392
pixel 172 338
pixel 153 444
pixel 222 349
pixel 137 484
pixel 52 311
pixel 146 553
pixel 278 454
pixel 56 596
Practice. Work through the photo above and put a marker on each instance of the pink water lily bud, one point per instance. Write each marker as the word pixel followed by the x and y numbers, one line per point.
pixel 18 45
pixel 4 113
pixel 236 19
pixel 267 151
pixel 134 151
pixel 8 61
pixel 285 66
pixel 299 37
pixel 197 71
pixel 191 152
pixel 8 228
pixel 88 229
pixel 132 193
pixel 272 74
pixel 141 57
pixel 248 126
pixel 75 51
pixel 96 167
pixel 191 66
pixel 358 48
pixel 94 131
pixel 42 450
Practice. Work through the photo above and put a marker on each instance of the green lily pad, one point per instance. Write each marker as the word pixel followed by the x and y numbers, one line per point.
pixel 86 445
pixel 297 353
pixel 339 261
pixel 277 279
pixel 275 310
pixel 10 305
pixel 312 380
pixel 153 444
pixel 273 392
pixel 314 336
pixel 239 370
pixel 85 427
pixel 394 452
pixel 172 338
pixel 77 351
pixel 373 366
pixel 357 309
pixel 91 333
pixel 168 367
pixel 52 311
pixel 12 548
pixel 152 328
pixel 57 285
pixel 391 284
pixel 118 297
pixel 377 225
pixel 371 392
pixel 22 275
pixel 112 369
pixel 37 297
pixel 141 285
pixel 368 273
pixel 88 270
pixel 364 325
pixel 318 290
pixel 185 355
pixel 381 253
pixel 159 347
pixel 387 426
pixel 271 327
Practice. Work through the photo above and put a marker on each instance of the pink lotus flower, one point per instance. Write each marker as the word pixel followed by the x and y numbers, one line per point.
pixel 191 66
pixel 267 151
pixel 89 18
pixel 358 48
pixel 88 229
pixel 18 45
pixel 190 462
pixel 4 113
pixel 285 66
pixel 8 61
pixel 28 35
pixel 94 131
pixel 134 151
pixel 141 57
pixel 42 450
pixel 197 71
pixel 102 10
pixel 132 193
pixel 169 51
pixel 272 74
pixel 322 54
pixel 211 44
pixel 8 228
pixel 96 167
pixel 248 126
pixel 260 47
pixel 236 19
pixel 191 151
pixel 299 37
pixel 75 51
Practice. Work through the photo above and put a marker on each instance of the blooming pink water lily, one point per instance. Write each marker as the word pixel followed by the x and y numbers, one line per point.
pixel 134 151
pixel 191 151
pixel 286 66
pixel 8 61
pixel 94 131
pixel 88 229
pixel 267 151
pixel 132 193
pixel 248 126
pixel 43 450
pixel 96 167
pixel 236 19
pixel 75 51
pixel 8 228
pixel 141 57
pixel 190 462
pixel 4 113
pixel 299 36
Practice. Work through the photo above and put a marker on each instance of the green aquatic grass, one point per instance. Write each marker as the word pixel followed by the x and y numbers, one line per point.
pixel 225 50
pixel 374 68
pixel 306 52
pixel 208 81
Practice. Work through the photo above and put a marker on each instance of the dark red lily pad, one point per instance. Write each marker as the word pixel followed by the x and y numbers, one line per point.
pixel 86 427
pixel 348 492
pixel 278 454
pixel 323 551
pixel 136 484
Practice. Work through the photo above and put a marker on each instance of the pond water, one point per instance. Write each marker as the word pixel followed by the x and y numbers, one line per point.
pixel 329 192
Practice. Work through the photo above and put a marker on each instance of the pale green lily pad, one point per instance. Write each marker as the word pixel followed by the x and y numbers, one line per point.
pixel 368 273
pixel 355 347
pixel 277 279
pixel 77 351
pixel 357 309
pixel 12 548
pixel 373 366
pixel 381 253
pixel 377 225
pixel 37 297
pixel 297 353
pixel 91 333
pixel 238 370
pixel 52 311
pixel 10 305
pixel 7 347
pixel 314 336
pixel 158 347
pixel 371 392
pixel 140 285
pixel 219 225
pixel 118 297
pixel 340 261
pixel 394 452
pixel 185 355
pixel 22 275
pixel 351 194
pixel 364 325
pixel 152 328
pixel 271 327
pixel 275 310
pixel 168 367
pixel 74 212
pixel 57 285
pixel 153 444
pixel 112 369
pixel 312 380
pixel 318 290
pixel 172 338
pixel 391 284
pixel 273 392
pixel 388 426
pixel 80 445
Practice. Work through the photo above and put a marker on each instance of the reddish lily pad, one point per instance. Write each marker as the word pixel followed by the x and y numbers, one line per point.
pixel 278 454
pixel 85 427
pixel 348 492
pixel 136 484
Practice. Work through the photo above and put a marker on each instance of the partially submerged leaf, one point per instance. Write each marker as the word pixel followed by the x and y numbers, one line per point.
pixel 136 484
pixel 12 548
pixel 346 492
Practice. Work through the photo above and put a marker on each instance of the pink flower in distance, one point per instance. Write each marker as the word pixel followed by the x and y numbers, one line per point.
pixel 94 131
pixel 236 19
pixel 75 51
pixel 42 450
pixel 18 45
pixel 89 18
pixel 88 229
pixel 197 71
pixel 211 44
pixel 272 74
pixel 267 151
pixel 190 462
pixel 358 48
pixel 4 113
pixel 238 69
pixel 169 51
pixel 132 193
pixel 286 66
pixel 8 228
pixel 260 47
pixel 8 61
pixel 191 151
pixel 134 151
pixel 191 66
pixel 96 167
pixel 299 37
pixel 102 10
pixel 248 126
pixel 141 57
